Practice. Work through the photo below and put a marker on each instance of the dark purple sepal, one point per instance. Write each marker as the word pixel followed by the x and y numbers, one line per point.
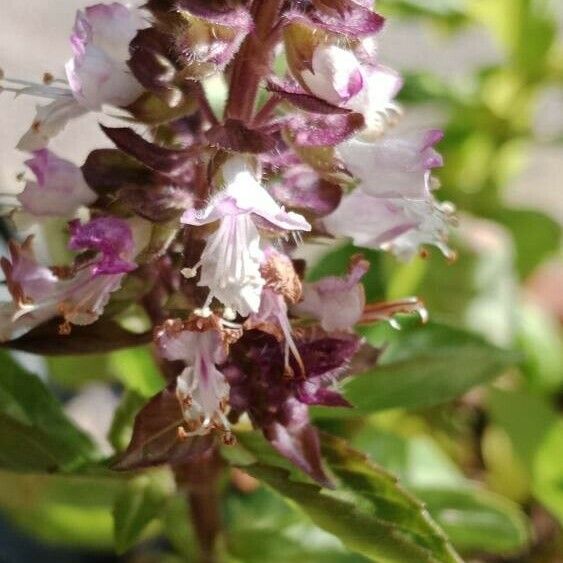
pixel 159 203
pixel 277 401
pixel 156 439
pixel 297 96
pixel 348 17
pixel 154 110
pixel 323 130
pixel 303 189
pixel 300 444
pixel 106 170
pixel 175 163
pixel 156 66
pixel 311 394
pixel 233 135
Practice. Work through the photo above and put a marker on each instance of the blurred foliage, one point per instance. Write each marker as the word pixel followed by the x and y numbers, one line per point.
pixel 466 410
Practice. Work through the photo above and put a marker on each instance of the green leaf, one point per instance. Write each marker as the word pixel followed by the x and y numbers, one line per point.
pixel 417 460
pixel 526 432
pixel 260 527
pixel 423 366
pixel 477 519
pixel 35 435
pixel 542 347
pixel 473 518
pixel 139 503
pixel 61 509
pixel 368 511
pixel 177 527
pixel 548 471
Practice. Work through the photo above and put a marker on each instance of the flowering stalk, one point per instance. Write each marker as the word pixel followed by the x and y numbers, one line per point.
pixel 197 219
pixel 251 63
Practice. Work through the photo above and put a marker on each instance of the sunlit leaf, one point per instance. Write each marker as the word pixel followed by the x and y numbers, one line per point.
pixel 368 511
pixel 423 366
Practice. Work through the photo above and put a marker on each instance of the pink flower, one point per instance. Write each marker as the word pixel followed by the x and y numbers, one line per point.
pixel 80 295
pixel 98 72
pixel 335 76
pixel 337 302
pixel 201 388
pixel 230 262
pixel 340 77
pixel 393 165
pixel 59 189
pixel 399 225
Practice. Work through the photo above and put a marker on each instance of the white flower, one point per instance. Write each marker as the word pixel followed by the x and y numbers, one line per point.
pixel 59 189
pixel 230 262
pixel 339 77
pixel 201 388
pixel 97 74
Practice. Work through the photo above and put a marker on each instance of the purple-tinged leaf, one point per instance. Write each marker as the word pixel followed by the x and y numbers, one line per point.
pixel 297 96
pixel 348 17
pixel 323 131
pixel 156 437
pixel 171 162
pixel 159 203
pixel 233 135
pixel 105 170
pixel 153 110
pixel 276 402
pixel 301 446
pixel 150 61
pixel 102 336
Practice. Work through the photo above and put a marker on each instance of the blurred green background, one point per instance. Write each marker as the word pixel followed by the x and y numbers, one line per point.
pixel 476 430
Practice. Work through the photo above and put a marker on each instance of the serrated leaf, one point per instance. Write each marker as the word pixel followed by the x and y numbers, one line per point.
pixel 135 508
pixel 473 518
pixel 477 519
pixel 425 366
pixel 260 527
pixel 35 435
pixel 368 511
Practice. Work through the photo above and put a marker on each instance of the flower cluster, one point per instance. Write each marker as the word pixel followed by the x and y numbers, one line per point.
pixel 204 209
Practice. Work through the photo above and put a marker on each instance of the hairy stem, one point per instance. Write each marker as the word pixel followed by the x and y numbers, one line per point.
pixel 253 60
